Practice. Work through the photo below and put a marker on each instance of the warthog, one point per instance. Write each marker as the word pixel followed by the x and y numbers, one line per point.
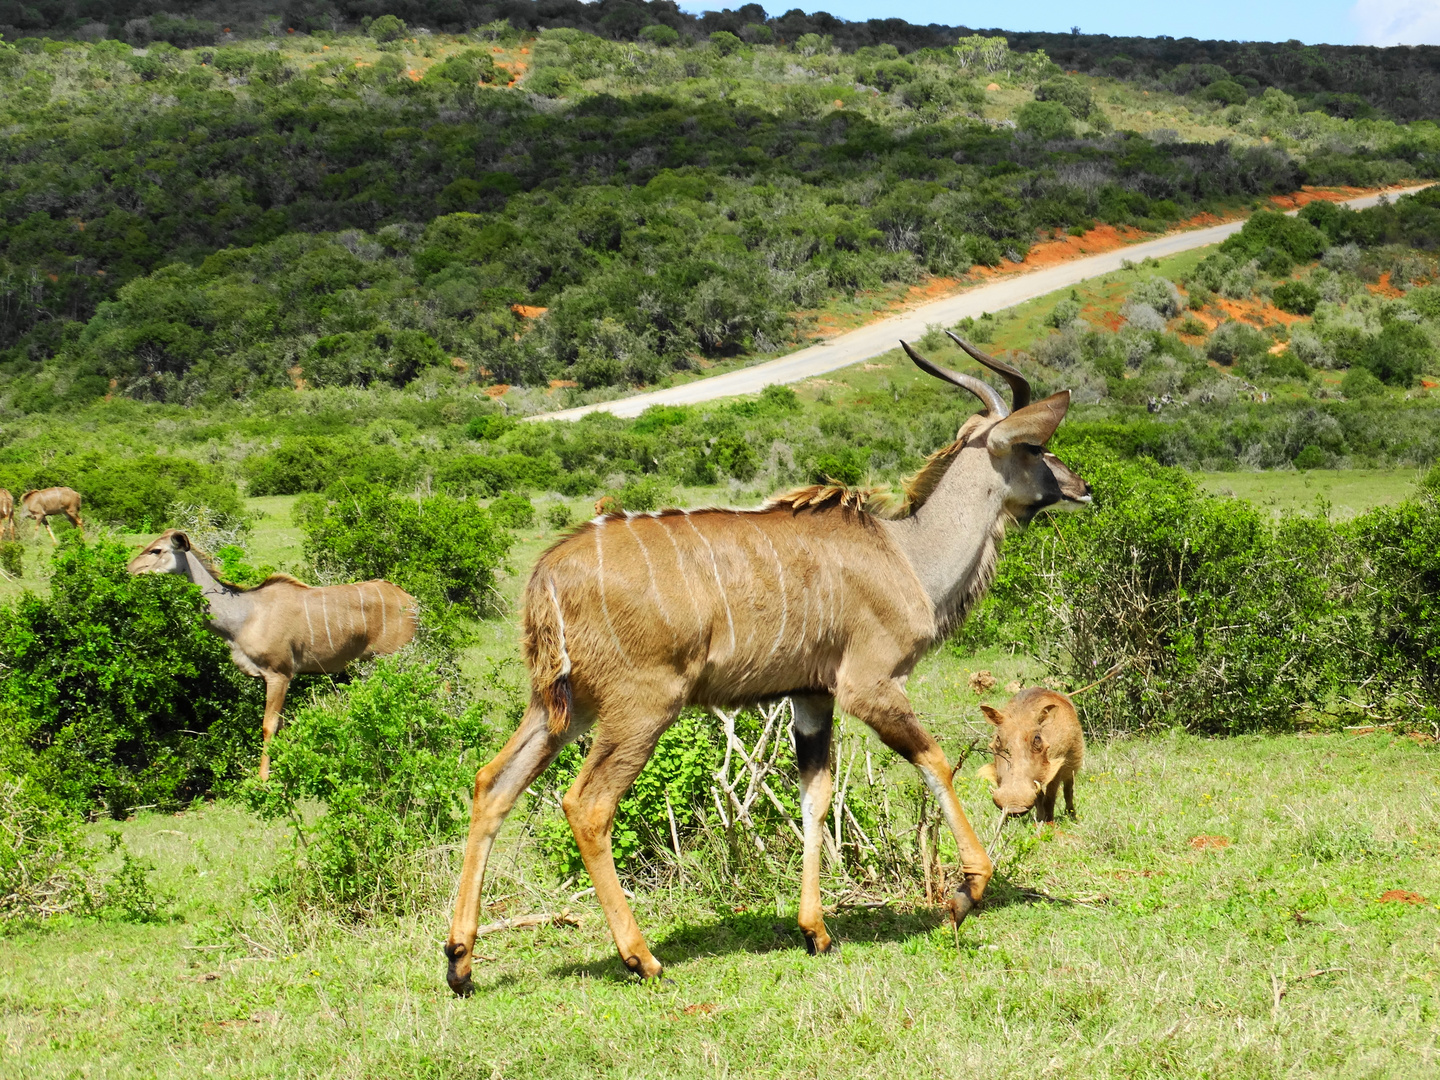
pixel 1038 746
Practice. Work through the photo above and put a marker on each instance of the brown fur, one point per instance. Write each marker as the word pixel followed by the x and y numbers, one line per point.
pixel 283 627
pixel 7 514
pixel 46 503
pixel 1038 748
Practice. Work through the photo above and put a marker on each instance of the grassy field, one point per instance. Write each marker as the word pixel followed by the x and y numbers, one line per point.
pixel 1348 491
pixel 1219 911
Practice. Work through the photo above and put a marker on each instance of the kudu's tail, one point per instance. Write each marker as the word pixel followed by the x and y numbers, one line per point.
pixel 545 654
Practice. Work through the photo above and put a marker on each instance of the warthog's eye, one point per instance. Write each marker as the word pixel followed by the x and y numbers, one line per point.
pixel 1037 744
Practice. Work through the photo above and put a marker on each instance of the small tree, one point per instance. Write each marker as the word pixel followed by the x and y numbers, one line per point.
pixel 387 28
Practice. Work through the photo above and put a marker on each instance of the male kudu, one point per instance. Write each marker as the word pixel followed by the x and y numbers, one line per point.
pixel 283 627
pixel 828 595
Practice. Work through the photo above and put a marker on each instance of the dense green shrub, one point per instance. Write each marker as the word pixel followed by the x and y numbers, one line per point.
pixel 1071 93
pixel 1296 297
pixel 121 697
pixel 1222 620
pixel 1277 241
pixel 1359 382
pixel 1402 598
pixel 1045 120
pixel 387 28
pixel 443 551
pixel 390 758
pixel 512 510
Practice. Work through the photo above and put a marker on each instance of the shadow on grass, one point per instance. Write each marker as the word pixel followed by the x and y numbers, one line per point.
pixel 759 932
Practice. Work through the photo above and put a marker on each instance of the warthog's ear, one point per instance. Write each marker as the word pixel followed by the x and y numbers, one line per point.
pixel 1045 714
pixel 995 716
pixel 987 772
pixel 179 541
pixel 1031 426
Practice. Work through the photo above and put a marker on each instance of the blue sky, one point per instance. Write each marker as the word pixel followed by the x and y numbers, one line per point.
pixel 1339 22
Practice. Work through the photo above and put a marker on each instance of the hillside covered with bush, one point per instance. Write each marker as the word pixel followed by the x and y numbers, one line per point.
pixel 199 224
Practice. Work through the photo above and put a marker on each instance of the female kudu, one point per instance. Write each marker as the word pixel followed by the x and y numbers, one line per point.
pixel 283 627
pixel 827 595
pixel 46 503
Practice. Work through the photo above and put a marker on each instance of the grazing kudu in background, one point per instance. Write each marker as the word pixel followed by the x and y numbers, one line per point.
pixel 283 627
pixel 827 595
pixel 7 514
pixel 47 502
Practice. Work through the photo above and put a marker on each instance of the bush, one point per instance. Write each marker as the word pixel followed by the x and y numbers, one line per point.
pixel 12 557
pixel 1071 93
pixel 1064 313
pixel 1402 547
pixel 512 510
pixel 387 28
pixel 1360 383
pixel 443 551
pixel 660 35
pixel 558 516
pixel 1234 342
pixel 391 763
pixel 1296 297
pixel 1223 621
pixel 680 771
pixel 142 493
pixel 48 869
pixel 1157 293
pixel 1045 120
pixel 646 493
pixel 121 697
pixel 1226 92
pixel 725 43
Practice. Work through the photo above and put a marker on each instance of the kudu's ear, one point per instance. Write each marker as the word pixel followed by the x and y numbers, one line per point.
pixel 179 541
pixel 995 716
pixel 1031 426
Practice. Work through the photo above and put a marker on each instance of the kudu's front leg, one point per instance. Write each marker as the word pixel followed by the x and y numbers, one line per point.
pixel 814 723
pixel 277 685
pixel 883 705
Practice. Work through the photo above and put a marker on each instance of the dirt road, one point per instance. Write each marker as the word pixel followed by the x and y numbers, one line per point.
pixel 884 334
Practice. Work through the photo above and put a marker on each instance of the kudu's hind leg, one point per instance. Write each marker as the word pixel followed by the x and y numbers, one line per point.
pixel 884 706
pixel 497 786
pixel 623 744
pixel 277 685
pixel 814 721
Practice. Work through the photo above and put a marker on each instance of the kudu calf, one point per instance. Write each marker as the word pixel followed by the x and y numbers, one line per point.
pixel 46 503
pixel 827 595
pixel 7 514
pixel 283 627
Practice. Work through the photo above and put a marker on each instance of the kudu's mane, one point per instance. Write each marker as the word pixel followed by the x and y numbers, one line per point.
pixel 213 568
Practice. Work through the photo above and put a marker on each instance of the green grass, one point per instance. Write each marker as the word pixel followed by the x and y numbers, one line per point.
pixel 1269 956
pixel 1349 492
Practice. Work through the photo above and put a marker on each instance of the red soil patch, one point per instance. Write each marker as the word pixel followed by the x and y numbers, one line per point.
pixel 561 384
pixel 297 374
pixel 497 391
pixel 459 364
pixel 1384 288
pixel 1200 843
pixel 1297 199
pixel 1400 896
pixel 1110 320
pixel 525 311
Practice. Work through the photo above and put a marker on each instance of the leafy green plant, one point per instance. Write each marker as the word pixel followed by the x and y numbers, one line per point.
pixel 387 28
pixel 389 757
pixel 1045 120
pixel 558 516
pixel 512 510
pixel 120 695
pixel 1296 297
pixel 12 557
pixel 1206 614
pixel 676 781
pixel 443 551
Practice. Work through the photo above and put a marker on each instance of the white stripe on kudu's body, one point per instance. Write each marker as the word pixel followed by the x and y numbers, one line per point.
pixel 271 629
pixel 885 576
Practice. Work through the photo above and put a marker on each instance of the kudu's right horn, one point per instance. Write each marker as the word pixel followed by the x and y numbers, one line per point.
pixel 988 395
pixel 1019 385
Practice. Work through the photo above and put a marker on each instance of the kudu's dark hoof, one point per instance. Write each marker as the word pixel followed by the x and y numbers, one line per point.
pixel 462 984
pixel 814 948
pixel 960 905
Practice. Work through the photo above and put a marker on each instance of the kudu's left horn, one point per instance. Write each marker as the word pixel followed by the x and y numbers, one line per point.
pixel 994 403
pixel 1019 385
